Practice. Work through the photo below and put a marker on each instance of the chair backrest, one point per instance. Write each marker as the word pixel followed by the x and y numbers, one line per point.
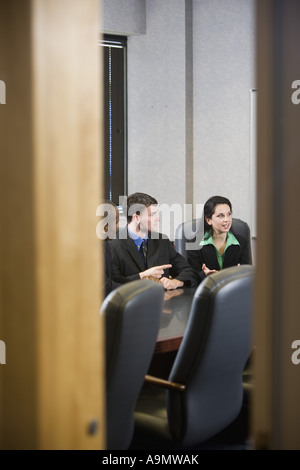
pixel 132 319
pixel 211 358
pixel 189 234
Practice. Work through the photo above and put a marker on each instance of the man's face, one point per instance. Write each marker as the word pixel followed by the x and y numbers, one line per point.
pixel 149 219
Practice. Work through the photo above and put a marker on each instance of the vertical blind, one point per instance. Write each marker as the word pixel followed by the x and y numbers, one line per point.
pixel 115 114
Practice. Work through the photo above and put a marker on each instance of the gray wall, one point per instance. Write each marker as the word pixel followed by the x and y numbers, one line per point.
pixel 190 72
pixel 224 66
pixel 123 17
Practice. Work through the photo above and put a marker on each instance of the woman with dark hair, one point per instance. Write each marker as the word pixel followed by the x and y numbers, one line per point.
pixel 220 248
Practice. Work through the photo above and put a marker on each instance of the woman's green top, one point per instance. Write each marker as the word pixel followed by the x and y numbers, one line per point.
pixel 208 240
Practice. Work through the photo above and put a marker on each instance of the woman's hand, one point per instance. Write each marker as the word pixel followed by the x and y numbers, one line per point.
pixel 207 271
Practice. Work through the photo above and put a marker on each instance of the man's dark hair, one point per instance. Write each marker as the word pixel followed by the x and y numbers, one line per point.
pixel 136 203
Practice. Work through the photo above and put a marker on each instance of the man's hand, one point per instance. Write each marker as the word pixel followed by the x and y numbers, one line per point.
pixel 152 278
pixel 156 271
pixel 170 284
pixel 169 294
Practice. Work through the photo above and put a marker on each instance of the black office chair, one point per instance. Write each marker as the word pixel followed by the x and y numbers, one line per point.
pixel 204 394
pixel 189 234
pixel 132 319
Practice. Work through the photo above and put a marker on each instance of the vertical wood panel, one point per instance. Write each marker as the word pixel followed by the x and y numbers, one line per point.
pixel 52 385
pixel 276 406
pixel 265 243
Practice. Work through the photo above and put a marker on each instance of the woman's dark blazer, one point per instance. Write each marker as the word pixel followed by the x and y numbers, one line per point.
pixel 127 262
pixel 234 255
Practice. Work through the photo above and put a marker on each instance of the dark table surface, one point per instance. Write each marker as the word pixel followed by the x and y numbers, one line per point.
pixel 176 310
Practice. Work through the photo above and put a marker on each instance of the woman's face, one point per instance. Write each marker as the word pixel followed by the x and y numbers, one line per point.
pixel 221 219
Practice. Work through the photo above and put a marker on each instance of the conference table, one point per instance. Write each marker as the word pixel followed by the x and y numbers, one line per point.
pixel 176 310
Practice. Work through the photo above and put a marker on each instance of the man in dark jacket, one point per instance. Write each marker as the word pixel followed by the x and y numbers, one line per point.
pixel 139 251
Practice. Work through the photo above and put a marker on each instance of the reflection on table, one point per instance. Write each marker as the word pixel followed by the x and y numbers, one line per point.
pixel 176 310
